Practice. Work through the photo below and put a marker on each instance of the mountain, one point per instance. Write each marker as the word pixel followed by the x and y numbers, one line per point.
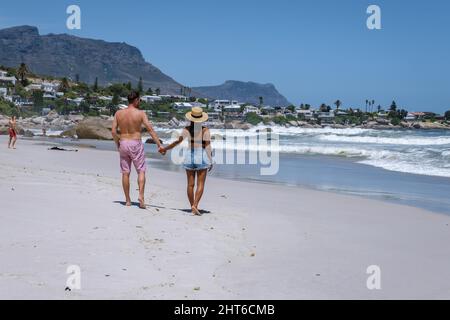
pixel 248 92
pixel 67 56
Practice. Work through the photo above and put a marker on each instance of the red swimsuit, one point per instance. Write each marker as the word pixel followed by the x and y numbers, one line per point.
pixel 12 133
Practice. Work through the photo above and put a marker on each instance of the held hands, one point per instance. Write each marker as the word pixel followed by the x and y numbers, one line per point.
pixel 162 150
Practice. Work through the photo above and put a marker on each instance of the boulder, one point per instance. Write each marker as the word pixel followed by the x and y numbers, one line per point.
pixel 4 131
pixel 151 141
pixel 293 123
pixel 38 120
pixel 28 134
pixel 383 121
pixel 71 133
pixel 52 115
pixel 174 122
pixel 75 117
pixel 94 128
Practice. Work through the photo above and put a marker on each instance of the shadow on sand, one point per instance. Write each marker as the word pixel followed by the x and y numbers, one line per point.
pixel 136 204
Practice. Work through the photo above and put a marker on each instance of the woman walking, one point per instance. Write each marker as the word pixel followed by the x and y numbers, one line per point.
pixel 198 158
pixel 12 133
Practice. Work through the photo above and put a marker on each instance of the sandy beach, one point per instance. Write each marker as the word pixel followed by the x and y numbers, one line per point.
pixel 259 241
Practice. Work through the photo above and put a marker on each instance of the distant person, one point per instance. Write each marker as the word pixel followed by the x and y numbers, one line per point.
pixel 12 133
pixel 129 143
pixel 198 158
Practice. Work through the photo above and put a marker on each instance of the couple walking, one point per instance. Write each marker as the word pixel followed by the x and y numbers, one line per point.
pixel 126 130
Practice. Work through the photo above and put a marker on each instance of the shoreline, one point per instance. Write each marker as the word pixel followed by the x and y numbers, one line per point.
pixel 259 241
pixel 365 190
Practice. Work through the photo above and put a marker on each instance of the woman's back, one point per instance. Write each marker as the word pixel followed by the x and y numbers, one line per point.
pixel 197 136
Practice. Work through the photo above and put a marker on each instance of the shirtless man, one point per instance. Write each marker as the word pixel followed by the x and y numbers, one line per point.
pixel 12 133
pixel 129 121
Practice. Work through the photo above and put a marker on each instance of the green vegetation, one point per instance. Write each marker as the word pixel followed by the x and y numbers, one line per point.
pixel 253 118
pixel 279 120
pixel 8 108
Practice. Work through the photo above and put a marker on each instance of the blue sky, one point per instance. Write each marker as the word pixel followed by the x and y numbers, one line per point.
pixel 313 51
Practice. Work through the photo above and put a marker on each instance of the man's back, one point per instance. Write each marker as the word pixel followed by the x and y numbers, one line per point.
pixel 130 123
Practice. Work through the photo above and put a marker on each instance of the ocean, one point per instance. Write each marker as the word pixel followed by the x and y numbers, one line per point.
pixel 410 167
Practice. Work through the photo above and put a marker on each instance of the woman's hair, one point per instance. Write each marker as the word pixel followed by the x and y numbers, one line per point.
pixel 191 128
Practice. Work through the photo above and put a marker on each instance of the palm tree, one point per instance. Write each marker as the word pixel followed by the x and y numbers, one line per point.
pixel 96 85
pixel 373 103
pixel 140 86
pixel 261 101
pixel 367 103
pixel 158 91
pixel 22 72
pixel 338 104
pixel 64 86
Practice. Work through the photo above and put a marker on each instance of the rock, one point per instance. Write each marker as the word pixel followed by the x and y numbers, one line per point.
pixel 71 133
pixel 75 117
pixel 151 141
pixel 52 115
pixel 38 120
pixel 107 117
pixel 383 121
pixel 4 131
pixel 28 134
pixel 94 128
pixel 174 122
pixel 293 123
pixel 432 125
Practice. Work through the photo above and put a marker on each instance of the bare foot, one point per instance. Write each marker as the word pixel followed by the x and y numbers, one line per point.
pixel 142 203
pixel 195 211
pixel 128 203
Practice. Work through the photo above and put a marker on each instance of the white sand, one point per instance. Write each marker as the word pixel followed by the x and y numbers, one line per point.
pixel 59 209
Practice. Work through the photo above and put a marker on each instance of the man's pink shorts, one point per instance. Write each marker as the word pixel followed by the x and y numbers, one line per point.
pixel 132 151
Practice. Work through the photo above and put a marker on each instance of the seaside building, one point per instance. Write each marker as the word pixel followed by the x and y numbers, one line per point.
pixel 326 117
pixel 5 79
pixel 218 105
pixel 410 117
pixel 305 114
pixel 213 116
pixel 3 92
pixel 268 110
pixel 382 115
pixel 232 111
pixel 33 87
pixel 151 99
pixel 252 109
pixel 182 106
pixel 105 98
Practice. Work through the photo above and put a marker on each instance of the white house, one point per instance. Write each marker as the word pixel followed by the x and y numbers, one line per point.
pixel 49 96
pixel 77 101
pixel 34 87
pixel 218 105
pixel 252 109
pixel 4 77
pixel 182 106
pixel 305 114
pixel 326 117
pixel 49 87
pixel 106 98
pixel 3 92
pixel 410 117
pixel 151 99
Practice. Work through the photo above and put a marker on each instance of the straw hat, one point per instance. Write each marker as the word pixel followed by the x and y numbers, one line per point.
pixel 197 115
